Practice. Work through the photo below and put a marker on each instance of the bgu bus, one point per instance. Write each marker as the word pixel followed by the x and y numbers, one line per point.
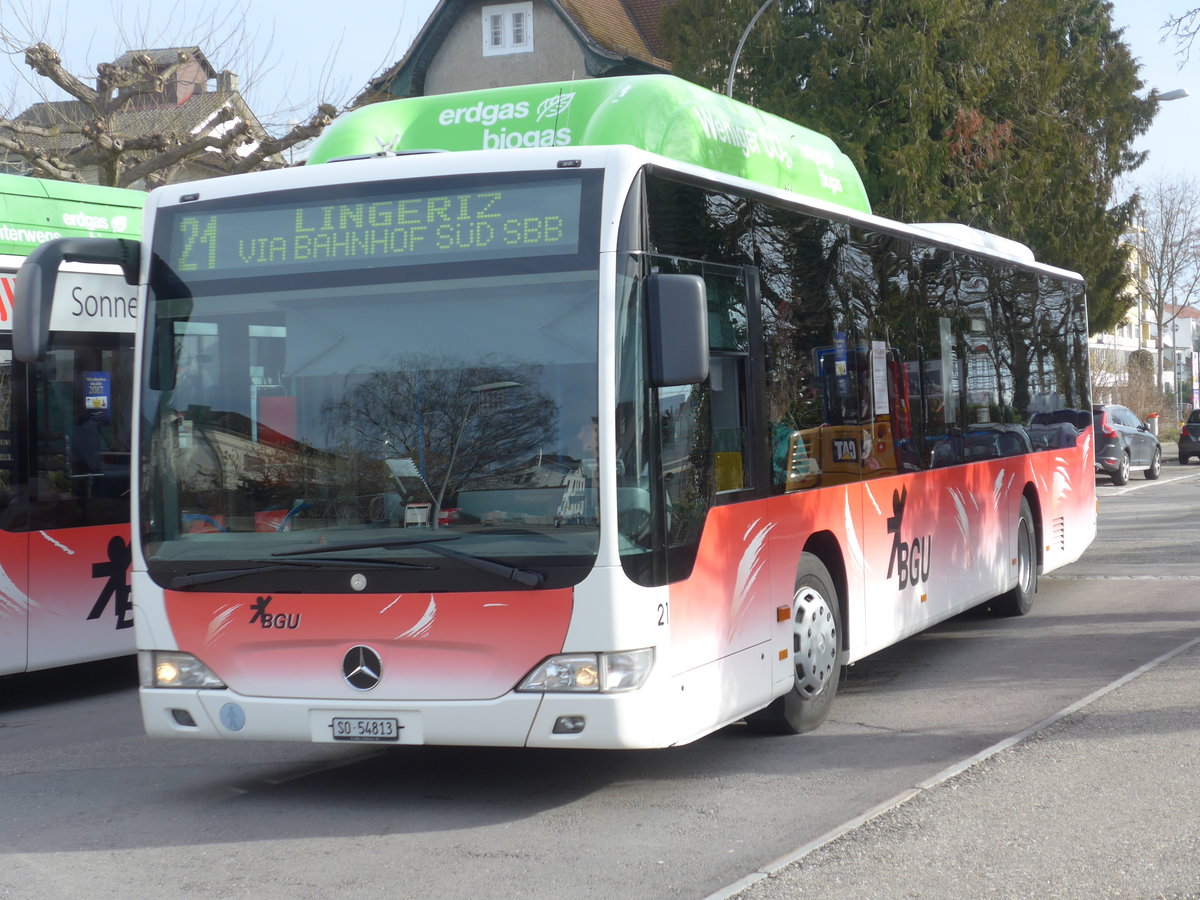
pixel 620 422
pixel 65 436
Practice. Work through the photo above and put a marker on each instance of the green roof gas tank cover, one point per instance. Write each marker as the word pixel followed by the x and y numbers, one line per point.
pixel 33 210
pixel 659 113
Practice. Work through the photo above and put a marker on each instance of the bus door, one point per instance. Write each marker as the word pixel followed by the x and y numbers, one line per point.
pixel 707 449
pixel 79 500
pixel 65 525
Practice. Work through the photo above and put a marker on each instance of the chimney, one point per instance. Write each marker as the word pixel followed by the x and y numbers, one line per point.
pixel 227 82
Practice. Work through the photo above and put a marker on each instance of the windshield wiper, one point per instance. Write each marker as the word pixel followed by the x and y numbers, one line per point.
pixel 182 582
pixel 524 577
pixel 377 543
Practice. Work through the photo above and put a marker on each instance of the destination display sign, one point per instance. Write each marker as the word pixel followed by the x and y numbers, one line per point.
pixel 400 228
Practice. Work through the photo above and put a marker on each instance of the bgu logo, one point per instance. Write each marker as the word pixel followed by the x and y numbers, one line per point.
pixel 911 559
pixel 259 612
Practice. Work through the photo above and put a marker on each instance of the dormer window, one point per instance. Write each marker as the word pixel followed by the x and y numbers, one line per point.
pixel 508 28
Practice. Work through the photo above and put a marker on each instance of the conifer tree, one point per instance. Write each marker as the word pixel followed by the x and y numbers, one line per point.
pixel 1014 117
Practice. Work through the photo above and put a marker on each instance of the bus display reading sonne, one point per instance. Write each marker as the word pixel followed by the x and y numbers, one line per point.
pixel 392 226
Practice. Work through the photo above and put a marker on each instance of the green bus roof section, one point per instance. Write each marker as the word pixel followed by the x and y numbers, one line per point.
pixel 34 210
pixel 658 113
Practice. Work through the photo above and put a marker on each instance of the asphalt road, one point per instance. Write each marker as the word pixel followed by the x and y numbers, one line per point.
pixel 89 806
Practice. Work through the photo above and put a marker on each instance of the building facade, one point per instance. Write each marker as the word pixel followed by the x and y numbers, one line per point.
pixel 1113 354
pixel 474 44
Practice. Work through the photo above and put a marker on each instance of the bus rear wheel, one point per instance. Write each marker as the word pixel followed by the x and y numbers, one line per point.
pixel 816 654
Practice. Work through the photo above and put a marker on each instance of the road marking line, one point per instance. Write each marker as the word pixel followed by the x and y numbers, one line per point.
pixel 1144 483
pixel 1100 576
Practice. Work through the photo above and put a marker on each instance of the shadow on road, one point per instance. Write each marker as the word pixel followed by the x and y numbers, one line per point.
pixel 67 683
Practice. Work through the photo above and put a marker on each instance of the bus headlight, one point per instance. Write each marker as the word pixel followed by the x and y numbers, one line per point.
pixel 606 673
pixel 173 669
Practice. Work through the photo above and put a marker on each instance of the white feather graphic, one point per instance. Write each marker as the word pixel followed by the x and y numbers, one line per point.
pixel 964 522
pixel 749 568
pixel 857 555
pixel 61 546
pixel 220 623
pixel 13 600
pixel 421 629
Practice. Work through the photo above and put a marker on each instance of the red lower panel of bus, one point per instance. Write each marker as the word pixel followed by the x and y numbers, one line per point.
pixel 915 549
pixel 432 647
pixel 64 597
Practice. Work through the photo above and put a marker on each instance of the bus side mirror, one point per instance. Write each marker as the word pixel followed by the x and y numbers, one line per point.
pixel 678 326
pixel 33 296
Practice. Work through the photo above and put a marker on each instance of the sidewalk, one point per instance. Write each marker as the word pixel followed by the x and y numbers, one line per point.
pixel 1104 803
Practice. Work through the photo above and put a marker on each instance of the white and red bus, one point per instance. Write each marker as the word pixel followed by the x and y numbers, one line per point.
pixel 65 436
pixel 623 420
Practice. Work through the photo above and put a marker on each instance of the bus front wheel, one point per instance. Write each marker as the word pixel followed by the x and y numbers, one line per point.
pixel 1019 600
pixel 816 654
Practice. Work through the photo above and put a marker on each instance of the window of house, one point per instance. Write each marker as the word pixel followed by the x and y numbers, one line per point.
pixel 507 28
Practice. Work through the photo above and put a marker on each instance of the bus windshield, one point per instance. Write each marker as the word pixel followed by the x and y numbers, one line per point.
pixel 393 415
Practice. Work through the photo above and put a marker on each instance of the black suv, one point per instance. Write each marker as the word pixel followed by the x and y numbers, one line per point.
pixel 1124 443
pixel 1189 438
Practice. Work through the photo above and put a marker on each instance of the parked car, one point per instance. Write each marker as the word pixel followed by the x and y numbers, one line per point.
pixel 1189 438
pixel 1124 443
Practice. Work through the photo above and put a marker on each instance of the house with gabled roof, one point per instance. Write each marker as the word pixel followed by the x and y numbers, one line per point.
pixel 473 44
pixel 191 100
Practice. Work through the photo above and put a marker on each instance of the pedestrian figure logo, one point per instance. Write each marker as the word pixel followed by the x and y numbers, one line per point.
pixel 116 585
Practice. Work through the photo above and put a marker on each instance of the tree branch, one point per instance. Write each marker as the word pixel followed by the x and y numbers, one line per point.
pixel 181 153
pixel 46 62
pixel 1184 27
pixel 42 162
pixel 271 146
pixel 18 127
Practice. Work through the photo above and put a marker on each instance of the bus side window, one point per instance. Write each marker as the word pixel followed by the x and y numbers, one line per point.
pixel 728 338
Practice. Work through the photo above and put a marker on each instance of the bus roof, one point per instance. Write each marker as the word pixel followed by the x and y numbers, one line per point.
pixel 658 113
pixel 33 210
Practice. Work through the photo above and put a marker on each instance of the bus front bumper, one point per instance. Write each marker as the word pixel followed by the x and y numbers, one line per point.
pixel 586 721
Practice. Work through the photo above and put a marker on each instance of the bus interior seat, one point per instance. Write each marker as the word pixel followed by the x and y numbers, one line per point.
pixel 729 471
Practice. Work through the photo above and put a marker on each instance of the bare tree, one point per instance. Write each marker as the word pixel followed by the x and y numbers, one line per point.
pixel 1184 28
pixel 1167 241
pixel 94 138
pixel 466 423
pixel 1128 379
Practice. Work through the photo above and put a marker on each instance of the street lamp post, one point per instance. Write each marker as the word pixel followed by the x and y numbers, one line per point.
pixel 742 43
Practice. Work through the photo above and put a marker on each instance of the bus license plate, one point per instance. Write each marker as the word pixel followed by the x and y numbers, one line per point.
pixel 365 729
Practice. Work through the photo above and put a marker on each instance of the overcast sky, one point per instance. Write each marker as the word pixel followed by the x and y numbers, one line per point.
pixel 297 50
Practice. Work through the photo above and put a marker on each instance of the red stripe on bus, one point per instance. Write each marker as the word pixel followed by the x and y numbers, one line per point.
pixel 7 299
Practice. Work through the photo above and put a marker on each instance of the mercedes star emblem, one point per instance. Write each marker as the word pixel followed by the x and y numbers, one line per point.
pixel 362 668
